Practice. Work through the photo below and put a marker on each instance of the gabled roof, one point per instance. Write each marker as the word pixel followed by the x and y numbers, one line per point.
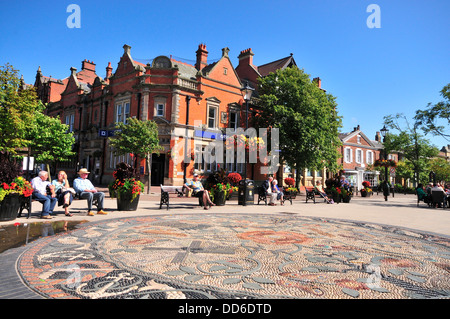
pixel 344 137
pixel 265 69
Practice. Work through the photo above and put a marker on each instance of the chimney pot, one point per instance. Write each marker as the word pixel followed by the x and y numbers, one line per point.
pixel 202 57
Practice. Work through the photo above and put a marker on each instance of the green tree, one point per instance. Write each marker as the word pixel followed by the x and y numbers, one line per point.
pixel 138 138
pixel 411 144
pixel 50 141
pixel 306 117
pixel 441 167
pixel 17 110
pixel 429 119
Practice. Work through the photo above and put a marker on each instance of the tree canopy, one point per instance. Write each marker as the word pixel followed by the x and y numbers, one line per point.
pixel 430 118
pixel 137 137
pixel 414 147
pixel 306 117
pixel 17 110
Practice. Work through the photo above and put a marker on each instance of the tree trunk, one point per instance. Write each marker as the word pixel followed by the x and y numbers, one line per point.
pixel 298 174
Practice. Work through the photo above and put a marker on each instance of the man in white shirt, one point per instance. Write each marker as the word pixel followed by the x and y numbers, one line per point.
pixel 86 190
pixel 40 184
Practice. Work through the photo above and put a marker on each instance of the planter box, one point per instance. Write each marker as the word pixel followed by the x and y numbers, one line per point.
pixel 219 198
pixel 124 203
pixel 9 207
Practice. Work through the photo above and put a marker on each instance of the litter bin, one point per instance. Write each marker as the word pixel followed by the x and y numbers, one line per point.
pixel 249 197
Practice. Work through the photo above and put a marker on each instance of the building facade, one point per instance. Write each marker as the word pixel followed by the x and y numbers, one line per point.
pixel 183 99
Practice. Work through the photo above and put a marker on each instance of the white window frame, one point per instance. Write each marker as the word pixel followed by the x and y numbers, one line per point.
pixel 349 149
pixel 70 120
pixel 359 152
pixel 214 119
pixel 122 111
pixel 236 121
pixel 159 101
pixel 369 157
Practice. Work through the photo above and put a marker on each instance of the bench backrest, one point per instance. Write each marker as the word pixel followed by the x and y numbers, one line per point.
pixel 171 189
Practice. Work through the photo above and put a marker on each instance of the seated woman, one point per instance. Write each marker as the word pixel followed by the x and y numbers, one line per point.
pixel 422 194
pixel 322 193
pixel 63 194
pixel 199 191
pixel 276 190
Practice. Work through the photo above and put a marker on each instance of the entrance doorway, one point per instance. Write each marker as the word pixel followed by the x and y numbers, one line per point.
pixel 158 169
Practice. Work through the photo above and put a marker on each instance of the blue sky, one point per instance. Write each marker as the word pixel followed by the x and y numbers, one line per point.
pixel 397 68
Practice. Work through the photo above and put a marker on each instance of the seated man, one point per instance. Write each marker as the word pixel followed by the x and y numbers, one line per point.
pixel 199 191
pixel 86 190
pixel 267 185
pixel 40 185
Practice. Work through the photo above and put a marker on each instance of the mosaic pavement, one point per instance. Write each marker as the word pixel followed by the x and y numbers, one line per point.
pixel 237 256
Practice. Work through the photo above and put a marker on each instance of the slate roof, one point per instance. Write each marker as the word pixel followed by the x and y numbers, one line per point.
pixel 283 63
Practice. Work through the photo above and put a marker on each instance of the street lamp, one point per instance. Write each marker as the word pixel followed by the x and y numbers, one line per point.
pixel 186 158
pixel 248 91
pixel 384 132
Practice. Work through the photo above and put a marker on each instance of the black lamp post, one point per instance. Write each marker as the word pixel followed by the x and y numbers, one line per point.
pixel 248 91
pixel 188 99
pixel 384 132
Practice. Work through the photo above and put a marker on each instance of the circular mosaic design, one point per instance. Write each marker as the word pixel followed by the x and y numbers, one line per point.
pixel 237 256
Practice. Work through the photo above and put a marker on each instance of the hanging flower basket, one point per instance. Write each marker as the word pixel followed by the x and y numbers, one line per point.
pixel 385 163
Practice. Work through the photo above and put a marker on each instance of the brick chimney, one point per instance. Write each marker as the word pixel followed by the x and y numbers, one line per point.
pixel 88 65
pixel 202 57
pixel 108 71
pixel 246 57
pixel 378 137
pixel 318 81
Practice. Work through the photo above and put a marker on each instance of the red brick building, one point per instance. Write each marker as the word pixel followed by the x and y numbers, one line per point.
pixel 163 91
pixel 358 156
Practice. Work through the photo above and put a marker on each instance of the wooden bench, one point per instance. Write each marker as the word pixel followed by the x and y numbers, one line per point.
pixel 167 190
pixel 311 194
pixel 27 204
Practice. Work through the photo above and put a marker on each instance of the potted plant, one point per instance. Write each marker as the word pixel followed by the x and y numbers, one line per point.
pixel 346 194
pixel 219 187
pixel 366 190
pixel 233 179
pixel 125 187
pixel 11 196
pixel 290 189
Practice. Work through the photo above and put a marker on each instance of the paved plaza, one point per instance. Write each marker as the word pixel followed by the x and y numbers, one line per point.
pixel 366 249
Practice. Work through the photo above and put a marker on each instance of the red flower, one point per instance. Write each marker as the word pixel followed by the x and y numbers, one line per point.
pixel 5 186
